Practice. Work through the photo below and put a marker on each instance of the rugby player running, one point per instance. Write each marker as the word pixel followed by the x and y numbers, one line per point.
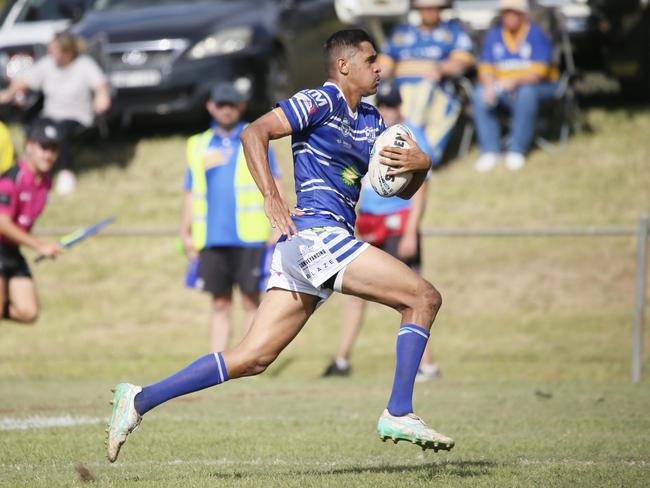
pixel 332 134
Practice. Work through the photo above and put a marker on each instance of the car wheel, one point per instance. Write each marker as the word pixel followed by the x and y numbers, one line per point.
pixel 278 80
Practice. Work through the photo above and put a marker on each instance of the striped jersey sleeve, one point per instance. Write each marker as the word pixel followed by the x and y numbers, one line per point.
pixel 307 108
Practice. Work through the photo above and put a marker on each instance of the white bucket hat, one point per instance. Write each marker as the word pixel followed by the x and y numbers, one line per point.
pixel 516 5
pixel 431 3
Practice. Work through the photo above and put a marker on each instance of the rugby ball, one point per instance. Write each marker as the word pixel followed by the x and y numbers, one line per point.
pixel 388 185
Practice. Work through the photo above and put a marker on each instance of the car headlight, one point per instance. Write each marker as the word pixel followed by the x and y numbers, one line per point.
pixel 223 42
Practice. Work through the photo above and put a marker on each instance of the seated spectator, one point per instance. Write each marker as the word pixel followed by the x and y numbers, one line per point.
pixel 74 89
pixel 421 58
pixel 515 74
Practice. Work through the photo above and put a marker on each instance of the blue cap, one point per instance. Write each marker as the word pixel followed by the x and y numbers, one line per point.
pixel 388 94
pixel 225 92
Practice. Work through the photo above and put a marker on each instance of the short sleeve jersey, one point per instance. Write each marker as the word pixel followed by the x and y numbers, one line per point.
pixel 505 55
pixel 68 90
pixel 331 147
pixel 221 164
pixel 411 44
pixel 22 197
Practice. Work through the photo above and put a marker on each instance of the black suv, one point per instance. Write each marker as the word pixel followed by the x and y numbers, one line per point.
pixel 163 57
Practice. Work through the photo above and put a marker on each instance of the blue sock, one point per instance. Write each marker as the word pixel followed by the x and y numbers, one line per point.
pixel 207 371
pixel 411 342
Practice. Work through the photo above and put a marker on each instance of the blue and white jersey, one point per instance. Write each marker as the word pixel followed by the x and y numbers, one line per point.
pixel 331 147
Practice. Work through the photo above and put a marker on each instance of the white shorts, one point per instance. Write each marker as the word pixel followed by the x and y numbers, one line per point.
pixel 310 258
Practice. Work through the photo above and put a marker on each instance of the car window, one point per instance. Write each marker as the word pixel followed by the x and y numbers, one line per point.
pixel 40 10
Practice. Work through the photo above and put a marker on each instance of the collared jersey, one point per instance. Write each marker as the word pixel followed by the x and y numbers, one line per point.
pixel 22 197
pixel 220 166
pixel 372 203
pixel 331 147
pixel 413 49
pixel 506 56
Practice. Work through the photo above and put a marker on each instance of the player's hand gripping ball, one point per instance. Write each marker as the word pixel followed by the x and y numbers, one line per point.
pixel 388 185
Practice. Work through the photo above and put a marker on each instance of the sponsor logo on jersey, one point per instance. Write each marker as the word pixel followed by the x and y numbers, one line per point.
pixel 346 129
pixel 350 176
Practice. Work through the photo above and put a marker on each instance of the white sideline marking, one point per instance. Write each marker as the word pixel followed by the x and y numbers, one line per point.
pixel 40 422
pixel 325 464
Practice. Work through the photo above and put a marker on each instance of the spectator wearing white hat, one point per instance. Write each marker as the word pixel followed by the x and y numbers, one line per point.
pixel 516 75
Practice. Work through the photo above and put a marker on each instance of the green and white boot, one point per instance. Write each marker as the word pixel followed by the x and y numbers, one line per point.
pixel 412 428
pixel 124 420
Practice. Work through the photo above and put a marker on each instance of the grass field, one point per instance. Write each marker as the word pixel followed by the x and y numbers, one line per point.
pixel 534 341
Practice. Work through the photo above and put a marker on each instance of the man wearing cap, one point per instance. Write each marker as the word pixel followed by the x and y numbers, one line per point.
pixel 422 58
pixel 393 225
pixel 223 224
pixel 23 194
pixel 516 75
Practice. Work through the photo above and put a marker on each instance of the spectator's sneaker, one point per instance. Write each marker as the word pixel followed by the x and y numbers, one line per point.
pixel 124 420
pixel 66 182
pixel 334 369
pixel 486 162
pixel 515 161
pixel 427 372
pixel 412 428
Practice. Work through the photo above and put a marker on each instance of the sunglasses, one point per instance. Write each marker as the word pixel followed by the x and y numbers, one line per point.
pixel 225 104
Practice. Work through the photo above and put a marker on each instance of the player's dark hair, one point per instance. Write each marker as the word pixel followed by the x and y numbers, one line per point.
pixel 343 40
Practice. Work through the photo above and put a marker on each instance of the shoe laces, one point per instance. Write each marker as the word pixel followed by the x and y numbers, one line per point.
pixel 416 418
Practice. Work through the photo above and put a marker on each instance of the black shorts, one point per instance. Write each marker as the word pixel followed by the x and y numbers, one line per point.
pixel 390 246
pixel 13 263
pixel 222 267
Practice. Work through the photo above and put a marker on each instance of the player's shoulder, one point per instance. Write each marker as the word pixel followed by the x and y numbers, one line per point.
pixel 9 179
pixel 368 110
pixel 322 97
pixel 11 174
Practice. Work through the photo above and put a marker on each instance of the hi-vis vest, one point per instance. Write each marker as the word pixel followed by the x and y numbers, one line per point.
pixel 252 224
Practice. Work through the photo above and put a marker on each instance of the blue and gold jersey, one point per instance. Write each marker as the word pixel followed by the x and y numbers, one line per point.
pixel 331 147
pixel 412 50
pixel 505 55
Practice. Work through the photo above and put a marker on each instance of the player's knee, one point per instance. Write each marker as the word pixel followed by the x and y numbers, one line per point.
pixel 429 299
pixel 257 364
pixel 221 305
pixel 27 316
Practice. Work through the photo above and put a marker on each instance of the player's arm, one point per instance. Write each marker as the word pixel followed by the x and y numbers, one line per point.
pixel 102 98
pixel 17 86
pixel 255 141
pixel 9 229
pixel 405 160
pixel 455 66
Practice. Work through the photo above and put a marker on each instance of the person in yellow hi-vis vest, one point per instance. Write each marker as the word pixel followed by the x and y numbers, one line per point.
pixel 6 149
pixel 223 222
